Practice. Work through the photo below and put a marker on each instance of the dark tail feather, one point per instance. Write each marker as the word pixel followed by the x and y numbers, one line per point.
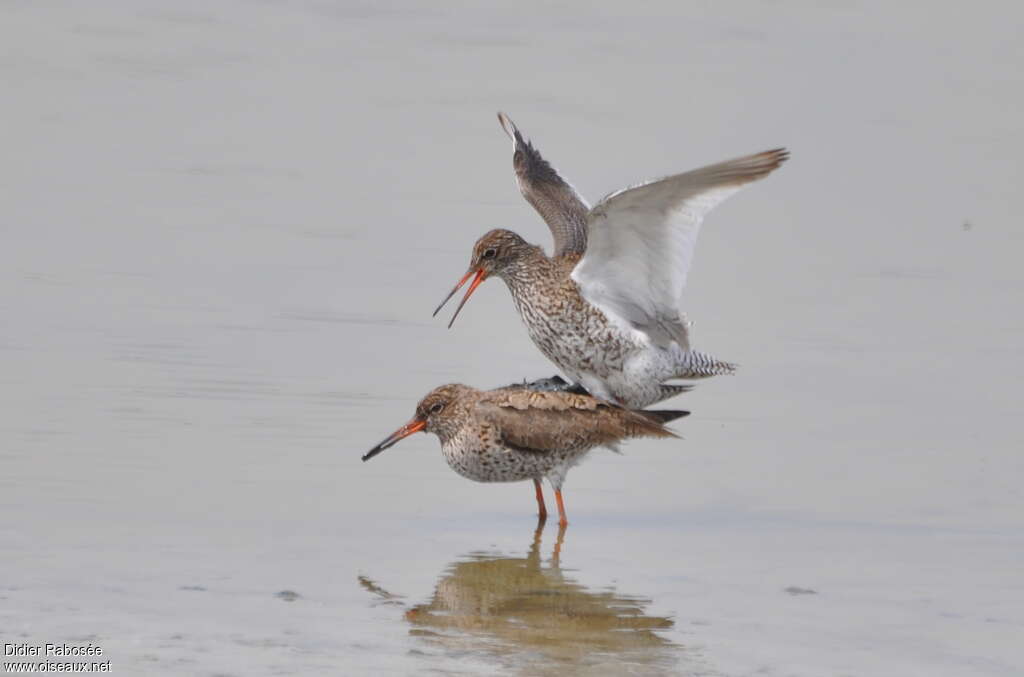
pixel 663 415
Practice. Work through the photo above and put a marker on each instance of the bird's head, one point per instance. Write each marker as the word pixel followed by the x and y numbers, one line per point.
pixel 493 254
pixel 441 412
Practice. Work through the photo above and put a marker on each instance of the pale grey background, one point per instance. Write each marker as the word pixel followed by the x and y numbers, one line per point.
pixel 225 226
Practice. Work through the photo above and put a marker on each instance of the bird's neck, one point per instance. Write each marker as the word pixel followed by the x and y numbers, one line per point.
pixel 458 439
pixel 532 268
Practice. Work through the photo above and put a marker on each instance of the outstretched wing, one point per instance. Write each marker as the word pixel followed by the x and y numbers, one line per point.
pixel 542 422
pixel 641 243
pixel 558 203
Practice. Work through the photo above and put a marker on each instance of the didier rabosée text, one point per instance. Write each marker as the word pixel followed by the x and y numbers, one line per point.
pixel 26 649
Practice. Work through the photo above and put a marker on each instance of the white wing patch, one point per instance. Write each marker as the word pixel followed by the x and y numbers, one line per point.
pixel 641 242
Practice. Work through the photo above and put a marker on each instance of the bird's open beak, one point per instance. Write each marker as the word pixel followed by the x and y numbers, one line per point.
pixel 413 426
pixel 481 275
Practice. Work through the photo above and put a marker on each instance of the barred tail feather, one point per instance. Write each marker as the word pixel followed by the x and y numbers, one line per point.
pixel 668 390
pixel 701 365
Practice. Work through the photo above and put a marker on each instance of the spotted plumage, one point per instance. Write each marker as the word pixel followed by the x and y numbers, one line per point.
pixel 605 306
pixel 518 433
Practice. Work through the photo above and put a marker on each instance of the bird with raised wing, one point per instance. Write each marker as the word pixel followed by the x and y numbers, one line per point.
pixel 516 433
pixel 606 306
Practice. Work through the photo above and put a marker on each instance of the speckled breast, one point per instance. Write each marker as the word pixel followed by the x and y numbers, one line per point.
pixel 495 463
pixel 571 332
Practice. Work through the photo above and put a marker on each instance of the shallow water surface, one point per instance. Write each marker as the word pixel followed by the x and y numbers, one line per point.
pixel 225 227
pixel 529 615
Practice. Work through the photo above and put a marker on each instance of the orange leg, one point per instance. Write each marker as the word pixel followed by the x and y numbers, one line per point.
pixel 555 556
pixel 562 521
pixel 542 511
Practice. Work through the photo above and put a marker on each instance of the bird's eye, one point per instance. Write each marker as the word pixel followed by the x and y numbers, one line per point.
pixel 436 409
pixel 489 254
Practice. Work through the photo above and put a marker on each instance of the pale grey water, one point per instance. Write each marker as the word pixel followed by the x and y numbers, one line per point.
pixel 225 226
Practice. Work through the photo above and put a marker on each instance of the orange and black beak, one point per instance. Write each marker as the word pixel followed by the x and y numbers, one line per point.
pixel 413 426
pixel 481 275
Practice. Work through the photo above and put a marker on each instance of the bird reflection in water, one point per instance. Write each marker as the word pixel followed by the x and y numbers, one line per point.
pixel 533 617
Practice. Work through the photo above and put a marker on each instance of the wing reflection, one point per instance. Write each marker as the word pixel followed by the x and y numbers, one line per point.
pixel 534 617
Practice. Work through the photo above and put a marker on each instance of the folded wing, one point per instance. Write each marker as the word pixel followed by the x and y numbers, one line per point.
pixel 641 242
pixel 555 200
pixel 542 422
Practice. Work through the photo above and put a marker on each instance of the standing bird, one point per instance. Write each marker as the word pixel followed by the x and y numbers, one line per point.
pixel 605 307
pixel 515 433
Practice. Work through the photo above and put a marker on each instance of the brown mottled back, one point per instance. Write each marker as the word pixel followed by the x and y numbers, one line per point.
pixel 551 421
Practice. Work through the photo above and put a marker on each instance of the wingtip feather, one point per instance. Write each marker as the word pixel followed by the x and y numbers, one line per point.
pixel 664 415
pixel 509 127
pixel 772 159
pixel 752 167
pixel 659 417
